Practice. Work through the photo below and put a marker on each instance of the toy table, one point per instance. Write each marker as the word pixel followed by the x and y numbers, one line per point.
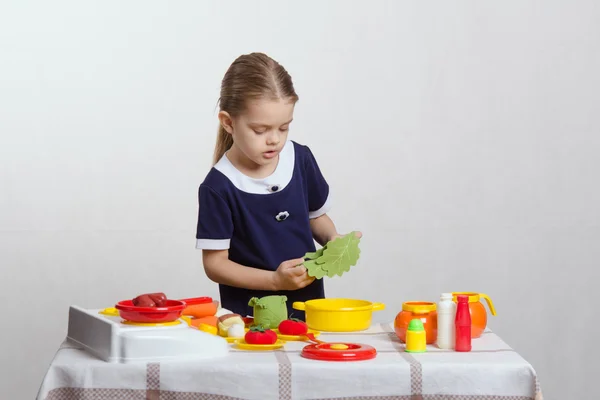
pixel 492 371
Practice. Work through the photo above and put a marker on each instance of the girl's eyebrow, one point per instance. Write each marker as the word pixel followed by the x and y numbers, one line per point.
pixel 267 125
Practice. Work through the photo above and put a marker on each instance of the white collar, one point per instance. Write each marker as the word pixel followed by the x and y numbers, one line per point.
pixel 273 183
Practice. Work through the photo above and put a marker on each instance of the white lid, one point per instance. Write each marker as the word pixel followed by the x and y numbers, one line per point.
pixel 446 296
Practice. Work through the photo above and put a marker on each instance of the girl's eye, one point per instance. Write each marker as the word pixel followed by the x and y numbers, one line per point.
pixel 284 128
pixel 259 131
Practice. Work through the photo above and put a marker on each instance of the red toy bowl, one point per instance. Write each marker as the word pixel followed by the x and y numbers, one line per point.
pixel 170 312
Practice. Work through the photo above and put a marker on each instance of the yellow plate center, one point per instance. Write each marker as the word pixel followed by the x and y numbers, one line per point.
pixel 339 346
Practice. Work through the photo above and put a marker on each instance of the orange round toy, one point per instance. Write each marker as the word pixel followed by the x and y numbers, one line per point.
pixel 425 311
pixel 478 312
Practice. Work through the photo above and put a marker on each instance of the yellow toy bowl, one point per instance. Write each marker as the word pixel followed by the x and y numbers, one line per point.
pixel 338 315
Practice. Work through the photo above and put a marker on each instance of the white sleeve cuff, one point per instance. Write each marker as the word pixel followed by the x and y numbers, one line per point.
pixel 323 210
pixel 213 244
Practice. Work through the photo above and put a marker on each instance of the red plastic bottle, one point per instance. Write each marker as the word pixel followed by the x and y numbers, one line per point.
pixel 462 323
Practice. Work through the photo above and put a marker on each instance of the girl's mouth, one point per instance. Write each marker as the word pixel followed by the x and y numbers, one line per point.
pixel 270 154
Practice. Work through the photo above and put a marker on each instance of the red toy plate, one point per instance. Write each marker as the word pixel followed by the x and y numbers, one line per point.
pixel 339 352
pixel 170 312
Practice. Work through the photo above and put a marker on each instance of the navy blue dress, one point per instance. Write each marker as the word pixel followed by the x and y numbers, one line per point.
pixel 263 222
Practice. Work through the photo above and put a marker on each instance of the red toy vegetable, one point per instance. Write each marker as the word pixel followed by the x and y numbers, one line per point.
pixel 293 327
pixel 259 335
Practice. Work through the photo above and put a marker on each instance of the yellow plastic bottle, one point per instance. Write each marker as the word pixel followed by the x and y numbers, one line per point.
pixel 416 337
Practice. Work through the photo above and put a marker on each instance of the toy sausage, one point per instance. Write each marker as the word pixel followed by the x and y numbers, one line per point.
pixel 159 299
pixel 150 300
pixel 144 300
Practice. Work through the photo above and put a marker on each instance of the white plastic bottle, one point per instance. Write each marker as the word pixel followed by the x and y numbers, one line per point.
pixel 446 312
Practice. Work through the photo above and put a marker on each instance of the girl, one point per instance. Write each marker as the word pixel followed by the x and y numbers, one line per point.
pixel 264 202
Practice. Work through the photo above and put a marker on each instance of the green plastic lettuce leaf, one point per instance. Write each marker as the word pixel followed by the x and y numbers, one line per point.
pixel 335 258
pixel 314 269
pixel 314 255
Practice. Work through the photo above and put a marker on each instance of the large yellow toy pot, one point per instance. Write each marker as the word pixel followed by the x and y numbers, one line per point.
pixel 478 312
pixel 338 315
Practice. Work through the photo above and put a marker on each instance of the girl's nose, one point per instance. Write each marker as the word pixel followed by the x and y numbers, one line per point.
pixel 273 138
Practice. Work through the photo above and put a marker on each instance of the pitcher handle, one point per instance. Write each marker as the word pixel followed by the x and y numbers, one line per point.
pixel 299 305
pixel 489 302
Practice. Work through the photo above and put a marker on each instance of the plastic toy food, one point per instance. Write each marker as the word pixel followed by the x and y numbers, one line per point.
pixel 236 330
pixel 199 307
pixel 269 311
pixel 227 321
pixel 150 300
pixel 259 335
pixel 335 258
pixel 210 320
pixel 222 311
pixel 293 327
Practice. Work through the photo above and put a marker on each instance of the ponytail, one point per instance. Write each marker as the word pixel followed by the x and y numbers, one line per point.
pixel 224 143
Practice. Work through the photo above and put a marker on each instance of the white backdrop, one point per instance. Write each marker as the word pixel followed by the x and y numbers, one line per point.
pixel 460 137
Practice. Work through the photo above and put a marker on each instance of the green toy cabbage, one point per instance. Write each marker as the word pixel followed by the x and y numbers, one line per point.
pixel 269 311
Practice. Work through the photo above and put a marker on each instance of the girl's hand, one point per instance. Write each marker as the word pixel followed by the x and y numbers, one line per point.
pixel 358 235
pixel 291 275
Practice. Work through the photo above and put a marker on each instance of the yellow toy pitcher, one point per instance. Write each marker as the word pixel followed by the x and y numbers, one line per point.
pixel 478 312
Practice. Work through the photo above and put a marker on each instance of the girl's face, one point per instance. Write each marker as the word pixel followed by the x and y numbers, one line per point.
pixel 260 132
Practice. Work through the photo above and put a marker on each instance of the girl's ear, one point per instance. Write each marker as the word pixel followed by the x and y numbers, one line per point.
pixel 226 121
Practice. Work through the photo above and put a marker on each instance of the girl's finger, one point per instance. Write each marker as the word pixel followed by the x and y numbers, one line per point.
pixel 299 270
pixel 308 281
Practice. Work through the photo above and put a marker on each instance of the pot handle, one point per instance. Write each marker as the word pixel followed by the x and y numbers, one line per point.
pixel 299 305
pixel 489 302
pixel 378 306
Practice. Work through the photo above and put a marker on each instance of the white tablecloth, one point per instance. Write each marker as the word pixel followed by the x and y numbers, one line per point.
pixel 492 371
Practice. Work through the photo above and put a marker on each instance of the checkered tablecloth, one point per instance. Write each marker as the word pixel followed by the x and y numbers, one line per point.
pixel 492 371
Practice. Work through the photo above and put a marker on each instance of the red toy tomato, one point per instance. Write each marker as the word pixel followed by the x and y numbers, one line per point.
pixel 259 335
pixel 293 327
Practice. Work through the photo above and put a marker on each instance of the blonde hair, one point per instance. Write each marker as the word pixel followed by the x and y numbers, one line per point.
pixel 250 76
